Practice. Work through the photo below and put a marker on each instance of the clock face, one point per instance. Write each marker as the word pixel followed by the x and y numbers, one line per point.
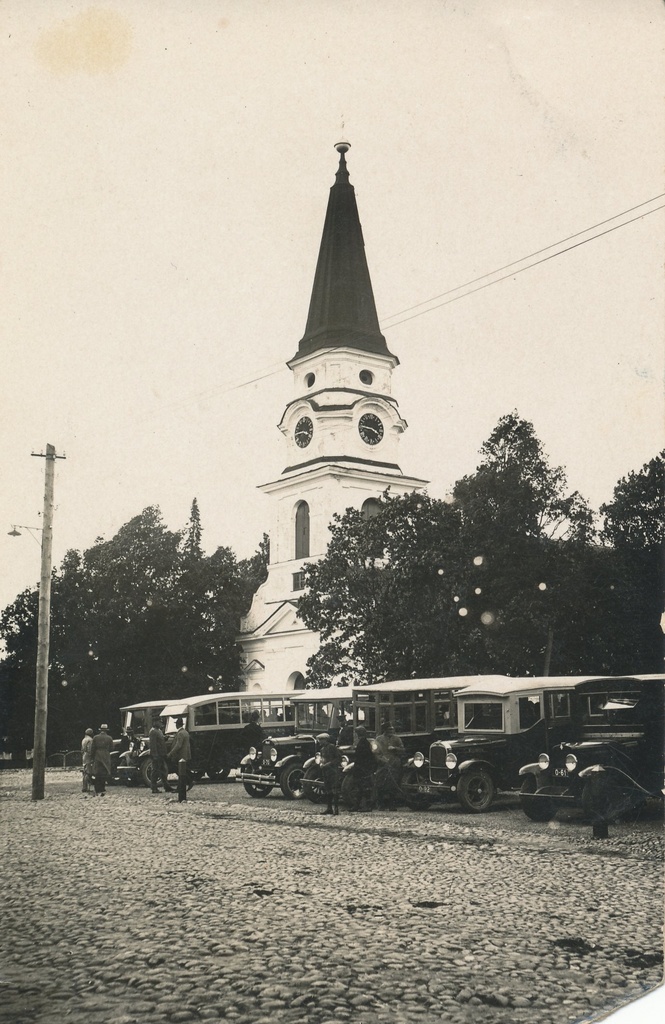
pixel 370 428
pixel 303 432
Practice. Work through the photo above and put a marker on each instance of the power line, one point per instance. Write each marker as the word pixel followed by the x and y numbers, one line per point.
pixel 531 254
pixel 514 273
pixel 226 386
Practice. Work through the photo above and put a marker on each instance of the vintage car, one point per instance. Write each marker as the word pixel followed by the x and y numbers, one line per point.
pixel 215 724
pixel 611 761
pixel 502 723
pixel 282 760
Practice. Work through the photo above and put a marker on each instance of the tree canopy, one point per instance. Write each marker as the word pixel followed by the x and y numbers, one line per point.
pixel 508 576
pixel 143 615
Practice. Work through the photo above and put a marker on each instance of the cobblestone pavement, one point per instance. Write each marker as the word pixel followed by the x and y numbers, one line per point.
pixel 136 909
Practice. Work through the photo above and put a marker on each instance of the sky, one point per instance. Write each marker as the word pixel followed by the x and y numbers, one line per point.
pixel 165 173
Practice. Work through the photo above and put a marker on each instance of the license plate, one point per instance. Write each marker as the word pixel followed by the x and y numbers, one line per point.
pixel 561 773
pixel 424 789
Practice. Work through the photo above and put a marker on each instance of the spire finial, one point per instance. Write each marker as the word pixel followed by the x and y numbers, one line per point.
pixel 342 172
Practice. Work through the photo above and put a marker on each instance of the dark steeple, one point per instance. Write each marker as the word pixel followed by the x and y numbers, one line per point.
pixel 342 310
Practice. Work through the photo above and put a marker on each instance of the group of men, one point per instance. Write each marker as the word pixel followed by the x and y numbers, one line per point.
pixel 96 756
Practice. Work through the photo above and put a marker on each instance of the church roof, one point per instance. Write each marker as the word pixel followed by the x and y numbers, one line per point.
pixel 342 311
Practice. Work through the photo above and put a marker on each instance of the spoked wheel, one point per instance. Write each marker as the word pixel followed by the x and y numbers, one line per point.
pixel 536 808
pixel 409 791
pixel 312 784
pixel 476 790
pixel 291 782
pixel 257 791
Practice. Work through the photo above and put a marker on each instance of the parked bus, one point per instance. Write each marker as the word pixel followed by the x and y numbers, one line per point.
pixel 215 723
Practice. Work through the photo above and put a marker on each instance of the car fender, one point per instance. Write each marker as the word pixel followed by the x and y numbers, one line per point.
pixel 286 761
pixel 531 769
pixel 465 766
pixel 310 761
pixel 247 759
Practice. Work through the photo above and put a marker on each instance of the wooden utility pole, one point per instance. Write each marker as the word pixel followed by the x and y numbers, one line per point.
pixel 41 689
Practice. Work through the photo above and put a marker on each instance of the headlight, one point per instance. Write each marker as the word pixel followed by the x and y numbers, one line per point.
pixel 544 761
pixel 273 754
pixel 317 758
pixel 451 760
pixel 252 752
pixel 571 762
pixel 345 761
pixel 418 759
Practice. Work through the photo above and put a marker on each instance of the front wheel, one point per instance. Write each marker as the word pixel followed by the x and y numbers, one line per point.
pixel 536 808
pixel 291 782
pixel 146 772
pixel 217 773
pixel 476 791
pixel 312 784
pixel 257 791
pixel 409 790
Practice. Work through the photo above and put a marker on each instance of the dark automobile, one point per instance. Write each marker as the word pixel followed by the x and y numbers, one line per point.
pixel 612 760
pixel 282 760
pixel 502 723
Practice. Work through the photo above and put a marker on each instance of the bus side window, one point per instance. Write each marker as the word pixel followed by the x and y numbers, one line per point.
pixel 228 712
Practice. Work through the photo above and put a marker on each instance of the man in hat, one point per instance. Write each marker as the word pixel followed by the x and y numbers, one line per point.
pixel 331 763
pixel 100 756
pixel 181 750
pixel 253 734
pixel 158 769
pixel 86 744
pixel 364 766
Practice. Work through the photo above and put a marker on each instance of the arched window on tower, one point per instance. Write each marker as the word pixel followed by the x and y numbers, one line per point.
pixel 302 530
pixel 370 508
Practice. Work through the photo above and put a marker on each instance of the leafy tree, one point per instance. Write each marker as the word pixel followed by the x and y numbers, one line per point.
pixel 485 583
pixel 144 615
pixel 634 533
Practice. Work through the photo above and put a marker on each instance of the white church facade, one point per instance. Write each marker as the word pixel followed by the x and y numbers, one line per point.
pixel 341 434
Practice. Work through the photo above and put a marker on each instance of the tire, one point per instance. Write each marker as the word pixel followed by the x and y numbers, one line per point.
pixel 349 794
pixel 146 772
pixel 312 784
pixel 601 799
pixel 217 774
pixel 535 808
pixel 291 782
pixel 476 790
pixel 409 792
pixel 257 791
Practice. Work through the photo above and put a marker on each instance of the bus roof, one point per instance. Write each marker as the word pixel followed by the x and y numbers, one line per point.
pixel 503 685
pixel 320 695
pixel 443 683
pixel 145 704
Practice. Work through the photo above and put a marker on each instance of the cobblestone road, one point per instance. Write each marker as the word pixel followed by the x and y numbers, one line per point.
pixel 135 909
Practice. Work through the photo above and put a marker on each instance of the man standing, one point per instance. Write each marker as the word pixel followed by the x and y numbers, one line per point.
pixel 181 750
pixel 159 770
pixel 86 744
pixel 100 756
pixel 331 763
pixel 252 735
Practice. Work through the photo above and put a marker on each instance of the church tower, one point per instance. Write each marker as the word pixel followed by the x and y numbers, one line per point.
pixel 341 431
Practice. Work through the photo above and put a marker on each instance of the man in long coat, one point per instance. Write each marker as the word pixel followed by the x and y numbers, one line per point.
pixel 181 750
pixel 100 756
pixel 159 770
